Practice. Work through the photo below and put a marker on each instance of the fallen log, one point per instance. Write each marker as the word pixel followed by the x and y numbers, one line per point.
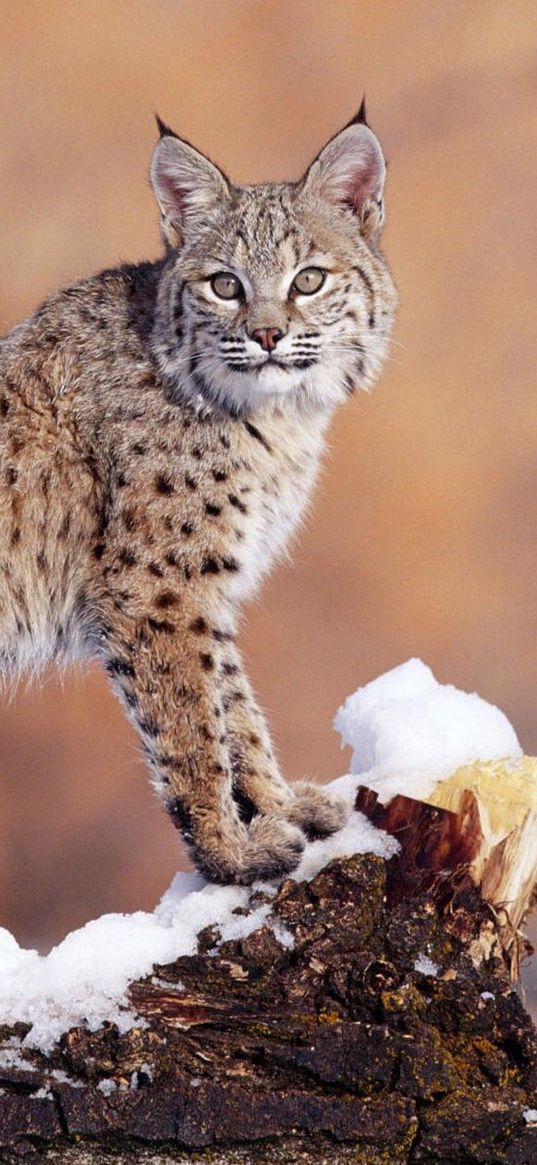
pixel 371 1017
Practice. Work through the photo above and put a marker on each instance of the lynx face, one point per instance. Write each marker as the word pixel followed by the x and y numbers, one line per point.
pixel 276 291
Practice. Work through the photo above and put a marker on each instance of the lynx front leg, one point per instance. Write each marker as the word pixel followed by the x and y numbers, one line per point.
pixel 168 675
pixel 258 785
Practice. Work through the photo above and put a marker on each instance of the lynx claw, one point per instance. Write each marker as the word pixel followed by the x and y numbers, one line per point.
pixel 315 811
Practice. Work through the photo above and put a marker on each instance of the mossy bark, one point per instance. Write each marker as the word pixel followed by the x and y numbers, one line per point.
pixel 346 1046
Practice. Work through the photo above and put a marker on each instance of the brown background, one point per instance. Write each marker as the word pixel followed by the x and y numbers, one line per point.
pixel 423 537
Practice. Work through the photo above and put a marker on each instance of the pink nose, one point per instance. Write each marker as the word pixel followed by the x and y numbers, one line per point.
pixel 267 337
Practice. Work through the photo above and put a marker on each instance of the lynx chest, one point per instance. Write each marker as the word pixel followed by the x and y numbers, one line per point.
pixel 276 469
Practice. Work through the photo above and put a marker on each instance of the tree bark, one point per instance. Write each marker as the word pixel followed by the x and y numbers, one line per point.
pixel 372 1018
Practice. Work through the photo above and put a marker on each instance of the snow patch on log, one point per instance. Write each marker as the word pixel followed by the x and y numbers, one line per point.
pixel 406 730
pixel 84 979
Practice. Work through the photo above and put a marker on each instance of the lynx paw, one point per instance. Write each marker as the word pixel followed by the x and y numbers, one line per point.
pixel 315 811
pixel 274 848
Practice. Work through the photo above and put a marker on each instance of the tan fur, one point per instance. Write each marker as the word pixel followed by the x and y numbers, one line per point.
pixel 143 495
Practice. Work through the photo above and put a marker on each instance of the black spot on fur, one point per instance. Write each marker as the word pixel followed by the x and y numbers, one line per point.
pixel 163 485
pixel 187 528
pixel 166 599
pixel 210 566
pixel 229 669
pixel 222 636
pixel 206 660
pixel 161 625
pixel 149 727
pixel 127 557
pixel 213 510
pixel 129 519
pixel 180 815
pixel 235 501
pixel 246 808
pixel 257 435
pixel 198 625
pixel 120 667
pixel 165 761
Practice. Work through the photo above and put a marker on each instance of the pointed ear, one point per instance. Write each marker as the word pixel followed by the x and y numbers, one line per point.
pixel 350 173
pixel 185 183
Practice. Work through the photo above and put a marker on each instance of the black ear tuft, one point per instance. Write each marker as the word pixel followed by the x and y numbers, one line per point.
pixel 359 118
pixel 163 129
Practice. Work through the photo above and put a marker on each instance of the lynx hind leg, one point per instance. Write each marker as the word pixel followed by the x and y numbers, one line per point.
pixel 315 811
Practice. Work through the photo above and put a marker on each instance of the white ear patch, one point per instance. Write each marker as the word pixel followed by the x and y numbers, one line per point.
pixel 350 172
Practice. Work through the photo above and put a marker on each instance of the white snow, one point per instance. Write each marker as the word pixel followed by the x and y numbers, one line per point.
pixel 425 966
pixel 530 1116
pixel 241 925
pixel 107 1087
pixel 406 731
pixel 85 977
pixel 11 1055
pixel 283 934
pixel 358 836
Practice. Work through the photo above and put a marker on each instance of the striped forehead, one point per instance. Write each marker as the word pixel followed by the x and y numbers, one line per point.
pixel 268 233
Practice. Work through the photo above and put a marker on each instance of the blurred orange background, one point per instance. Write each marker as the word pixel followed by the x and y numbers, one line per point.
pixel 422 539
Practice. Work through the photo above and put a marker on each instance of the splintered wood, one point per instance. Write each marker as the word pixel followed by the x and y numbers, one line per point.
pixel 482 820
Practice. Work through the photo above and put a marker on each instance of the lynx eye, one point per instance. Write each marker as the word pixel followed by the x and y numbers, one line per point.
pixel 308 281
pixel 226 285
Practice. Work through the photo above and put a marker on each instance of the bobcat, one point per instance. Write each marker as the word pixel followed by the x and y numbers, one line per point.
pixel 161 426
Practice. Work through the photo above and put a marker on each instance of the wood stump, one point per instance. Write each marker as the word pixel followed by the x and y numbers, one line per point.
pixel 371 1019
